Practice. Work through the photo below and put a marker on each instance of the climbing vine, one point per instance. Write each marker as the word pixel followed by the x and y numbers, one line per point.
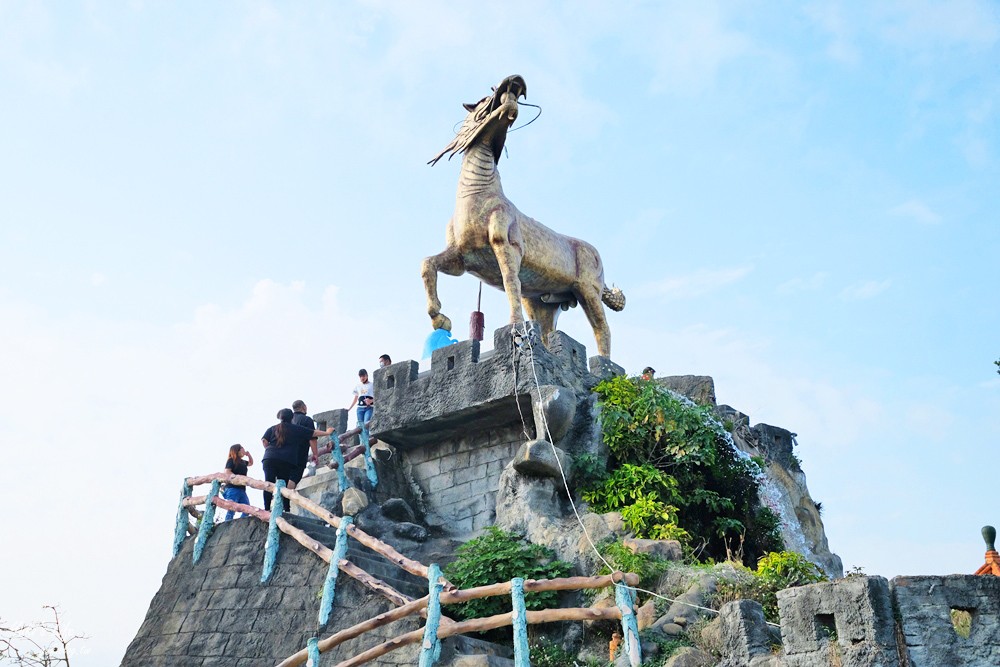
pixel 673 474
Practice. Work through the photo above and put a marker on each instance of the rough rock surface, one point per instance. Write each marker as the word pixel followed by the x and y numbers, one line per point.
pixel 850 618
pixel 539 458
pixel 666 549
pixel 744 633
pixel 925 605
pixel 217 612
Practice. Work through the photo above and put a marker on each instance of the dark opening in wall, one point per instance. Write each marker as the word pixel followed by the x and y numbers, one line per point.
pixel 826 627
pixel 961 620
pixel 390 381
pixel 451 363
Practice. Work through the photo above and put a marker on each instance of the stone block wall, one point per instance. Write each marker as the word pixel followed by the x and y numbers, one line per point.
pixel 925 605
pixel 459 476
pixel 869 622
pixel 849 619
pixel 216 612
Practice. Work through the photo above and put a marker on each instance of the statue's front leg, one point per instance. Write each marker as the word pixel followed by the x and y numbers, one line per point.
pixel 508 246
pixel 449 262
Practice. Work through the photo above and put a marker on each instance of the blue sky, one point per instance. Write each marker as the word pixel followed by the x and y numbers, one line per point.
pixel 208 211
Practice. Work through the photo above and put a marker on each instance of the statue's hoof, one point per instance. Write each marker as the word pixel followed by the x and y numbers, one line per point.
pixel 441 321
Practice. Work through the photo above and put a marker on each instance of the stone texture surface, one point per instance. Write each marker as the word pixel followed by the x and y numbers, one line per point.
pixel 464 386
pixel 744 633
pixel 925 605
pixel 353 502
pixel 850 619
pixel 666 549
pixel 217 612
pixel 541 459
pixel 690 656
pixel 553 410
pixel 699 388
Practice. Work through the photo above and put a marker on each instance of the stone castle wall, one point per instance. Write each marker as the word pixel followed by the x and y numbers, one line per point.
pixel 216 612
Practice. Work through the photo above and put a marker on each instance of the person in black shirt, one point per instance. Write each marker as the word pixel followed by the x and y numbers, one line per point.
pixel 237 465
pixel 300 418
pixel 286 446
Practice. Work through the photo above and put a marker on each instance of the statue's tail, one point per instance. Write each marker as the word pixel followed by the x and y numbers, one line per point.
pixel 613 298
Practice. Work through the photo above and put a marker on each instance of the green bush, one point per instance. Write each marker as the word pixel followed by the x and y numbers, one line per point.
pixel 647 566
pixel 498 556
pixel 775 571
pixel 641 493
pixel 674 474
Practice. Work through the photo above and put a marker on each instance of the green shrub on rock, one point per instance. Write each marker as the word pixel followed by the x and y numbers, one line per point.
pixel 674 474
pixel 775 571
pixel 497 556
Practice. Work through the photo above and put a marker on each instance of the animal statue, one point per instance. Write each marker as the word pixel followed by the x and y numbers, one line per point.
pixel 539 269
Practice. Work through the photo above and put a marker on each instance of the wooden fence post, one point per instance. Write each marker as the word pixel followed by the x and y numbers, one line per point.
pixel 369 463
pixel 181 524
pixel 625 597
pixel 207 521
pixel 330 585
pixel 430 650
pixel 520 623
pixel 313 647
pixel 273 532
pixel 338 456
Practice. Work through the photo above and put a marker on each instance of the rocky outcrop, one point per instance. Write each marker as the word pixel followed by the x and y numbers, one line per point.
pixel 783 486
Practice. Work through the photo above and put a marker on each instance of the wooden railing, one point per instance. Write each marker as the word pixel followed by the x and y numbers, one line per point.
pixel 440 590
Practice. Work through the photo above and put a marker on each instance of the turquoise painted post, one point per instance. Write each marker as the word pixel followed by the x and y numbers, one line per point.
pixel 207 521
pixel 271 546
pixel 625 597
pixel 522 656
pixel 181 524
pixel 313 647
pixel 369 463
pixel 430 650
pixel 330 585
pixel 338 456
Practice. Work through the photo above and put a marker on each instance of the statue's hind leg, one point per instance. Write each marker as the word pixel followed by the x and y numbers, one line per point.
pixel 448 262
pixel 590 301
pixel 508 247
pixel 546 314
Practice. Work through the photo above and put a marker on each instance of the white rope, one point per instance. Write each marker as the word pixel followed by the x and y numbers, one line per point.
pixel 562 473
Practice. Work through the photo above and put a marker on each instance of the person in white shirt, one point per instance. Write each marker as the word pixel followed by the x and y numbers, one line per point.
pixel 364 398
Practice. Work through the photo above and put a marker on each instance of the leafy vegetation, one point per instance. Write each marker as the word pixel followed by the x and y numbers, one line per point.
pixel 673 474
pixel 500 556
pixel 775 571
pixel 647 566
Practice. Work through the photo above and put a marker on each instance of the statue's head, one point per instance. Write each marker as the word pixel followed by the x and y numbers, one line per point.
pixel 488 119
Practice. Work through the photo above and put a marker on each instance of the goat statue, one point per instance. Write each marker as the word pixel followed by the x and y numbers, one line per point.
pixel 537 268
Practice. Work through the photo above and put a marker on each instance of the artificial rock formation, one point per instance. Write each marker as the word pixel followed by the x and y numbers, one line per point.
pixel 479 439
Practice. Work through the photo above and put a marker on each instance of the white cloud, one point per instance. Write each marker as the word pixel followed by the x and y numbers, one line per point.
pixel 689 44
pixel 97 279
pixel 799 284
pixel 132 408
pixel 864 290
pixel 830 19
pixel 916 210
pixel 926 24
pixel 699 283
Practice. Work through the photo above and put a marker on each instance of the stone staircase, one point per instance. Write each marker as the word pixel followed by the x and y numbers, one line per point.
pixel 368 560
pixel 464 651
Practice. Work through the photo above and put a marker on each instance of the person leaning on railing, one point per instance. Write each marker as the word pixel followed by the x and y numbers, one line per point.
pixel 237 465
pixel 286 447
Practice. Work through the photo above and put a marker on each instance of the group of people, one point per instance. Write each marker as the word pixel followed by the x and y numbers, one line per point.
pixel 292 443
